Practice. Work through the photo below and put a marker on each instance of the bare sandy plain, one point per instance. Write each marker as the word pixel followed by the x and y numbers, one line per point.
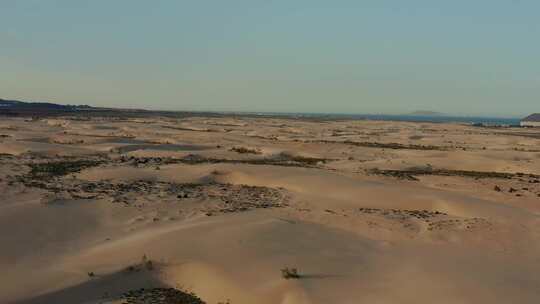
pixel 152 210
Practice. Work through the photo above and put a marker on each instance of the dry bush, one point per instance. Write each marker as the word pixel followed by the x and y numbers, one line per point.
pixel 289 273
pixel 145 263
pixel 244 150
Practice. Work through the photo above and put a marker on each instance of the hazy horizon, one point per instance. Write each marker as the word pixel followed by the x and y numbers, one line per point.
pixel 412 113
pixel 349 57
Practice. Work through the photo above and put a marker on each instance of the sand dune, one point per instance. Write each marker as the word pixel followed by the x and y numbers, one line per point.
pixel 92 211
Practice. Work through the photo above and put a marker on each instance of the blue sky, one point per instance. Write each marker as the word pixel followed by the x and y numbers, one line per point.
pixel 475 57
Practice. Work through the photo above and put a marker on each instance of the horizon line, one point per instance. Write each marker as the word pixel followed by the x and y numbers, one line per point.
pixel 410 114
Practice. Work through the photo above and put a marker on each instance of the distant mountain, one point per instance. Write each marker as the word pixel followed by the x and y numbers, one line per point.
pixel 26 109
pixel 426 113
pixel 21 105
pixel 19 108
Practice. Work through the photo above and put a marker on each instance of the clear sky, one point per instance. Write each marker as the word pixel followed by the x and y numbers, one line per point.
pixel 340 56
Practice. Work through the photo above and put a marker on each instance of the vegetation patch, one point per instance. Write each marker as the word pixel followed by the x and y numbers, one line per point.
pixel 160 296
pixel 403 213
pixel 411 174
pixel 225 198
pixel 393 146
pixel 60 168
pixel 244 150
pixel 193 159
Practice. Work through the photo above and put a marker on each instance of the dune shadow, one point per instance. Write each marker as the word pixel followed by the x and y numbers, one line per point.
pixel 99 287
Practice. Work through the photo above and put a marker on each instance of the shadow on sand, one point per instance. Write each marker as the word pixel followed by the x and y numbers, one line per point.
pixel 99 288
pixel 316 276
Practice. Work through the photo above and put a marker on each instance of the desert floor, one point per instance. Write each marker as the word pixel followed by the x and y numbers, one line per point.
pixel 91 211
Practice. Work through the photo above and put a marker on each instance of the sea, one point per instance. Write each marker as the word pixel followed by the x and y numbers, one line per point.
pixel 474 120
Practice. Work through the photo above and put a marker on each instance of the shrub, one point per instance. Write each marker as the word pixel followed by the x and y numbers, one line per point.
pixel 147 263
pixel 243 150
pixel 290 273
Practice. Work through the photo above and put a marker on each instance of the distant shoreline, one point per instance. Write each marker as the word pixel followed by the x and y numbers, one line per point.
pixel 37 109
pixel 405 118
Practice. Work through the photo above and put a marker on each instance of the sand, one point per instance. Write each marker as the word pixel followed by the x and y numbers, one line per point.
pixel 221 205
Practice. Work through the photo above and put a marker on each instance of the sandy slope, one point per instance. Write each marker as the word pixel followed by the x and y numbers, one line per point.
pixel 355 237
